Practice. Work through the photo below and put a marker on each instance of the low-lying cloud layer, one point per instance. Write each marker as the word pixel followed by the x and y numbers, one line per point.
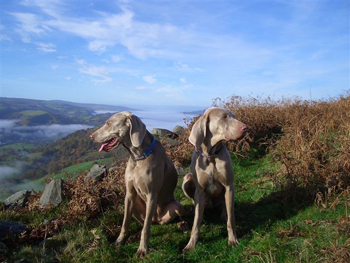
pixel 9 131
pixel 8 172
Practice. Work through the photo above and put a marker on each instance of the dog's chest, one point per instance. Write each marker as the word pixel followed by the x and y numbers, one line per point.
pixel 209 180
pixel 141 180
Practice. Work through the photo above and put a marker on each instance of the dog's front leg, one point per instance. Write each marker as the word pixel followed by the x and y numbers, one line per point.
pixel 231 223
pixel 199 200
pixel 129 203
pixel 146 230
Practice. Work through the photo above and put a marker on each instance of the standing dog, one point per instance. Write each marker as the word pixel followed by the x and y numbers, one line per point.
pixel 211 181
pixel 150 176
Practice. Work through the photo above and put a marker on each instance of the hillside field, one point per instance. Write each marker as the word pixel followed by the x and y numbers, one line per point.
pixel 292 197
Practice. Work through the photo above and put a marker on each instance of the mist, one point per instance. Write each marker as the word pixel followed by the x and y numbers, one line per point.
pixel 10 133
pixel 8 172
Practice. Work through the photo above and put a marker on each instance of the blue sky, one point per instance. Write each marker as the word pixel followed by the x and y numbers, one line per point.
pixel 173 52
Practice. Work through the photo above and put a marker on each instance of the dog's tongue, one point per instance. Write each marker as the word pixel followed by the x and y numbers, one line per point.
pixel 103 146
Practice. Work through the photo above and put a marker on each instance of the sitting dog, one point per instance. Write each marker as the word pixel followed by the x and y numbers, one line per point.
pixel 211 180
pixel 150 176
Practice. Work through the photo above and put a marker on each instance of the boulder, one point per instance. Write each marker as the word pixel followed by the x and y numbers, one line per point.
pixel 181 171
pixel 97 172
pixel 161 133
pixel 52 194
pixel 17 200
pixel 179 130
pixel 11 230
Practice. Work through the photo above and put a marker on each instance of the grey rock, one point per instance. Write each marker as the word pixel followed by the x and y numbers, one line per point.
pixel 52 194
pixel 97 172
pixel 181 171
pixel 161 133
pixel 179 130
pixel 11 230
pixel 18 199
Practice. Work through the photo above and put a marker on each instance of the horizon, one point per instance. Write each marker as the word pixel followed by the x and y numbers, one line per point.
pixel 161 53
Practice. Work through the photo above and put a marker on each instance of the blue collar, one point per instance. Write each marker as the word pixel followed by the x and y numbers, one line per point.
pixel 147 153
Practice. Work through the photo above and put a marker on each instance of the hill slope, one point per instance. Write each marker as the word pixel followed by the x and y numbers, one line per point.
pixel 40 112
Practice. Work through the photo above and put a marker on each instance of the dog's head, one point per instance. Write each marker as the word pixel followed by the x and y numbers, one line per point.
pixel 122 127
pixel 215 125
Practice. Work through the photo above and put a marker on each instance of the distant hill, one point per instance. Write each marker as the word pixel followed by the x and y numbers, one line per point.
pixel 40 112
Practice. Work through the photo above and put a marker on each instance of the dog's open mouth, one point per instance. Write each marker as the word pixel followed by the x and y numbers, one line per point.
pixel 108 145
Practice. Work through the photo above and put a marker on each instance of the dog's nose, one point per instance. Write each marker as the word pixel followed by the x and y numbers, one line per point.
pixel 92 136
pixel 244 128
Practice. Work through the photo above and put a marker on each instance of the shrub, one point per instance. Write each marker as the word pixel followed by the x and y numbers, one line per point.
pixel 310 139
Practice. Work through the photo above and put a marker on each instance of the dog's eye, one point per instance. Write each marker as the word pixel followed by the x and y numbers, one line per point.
pixel 108 124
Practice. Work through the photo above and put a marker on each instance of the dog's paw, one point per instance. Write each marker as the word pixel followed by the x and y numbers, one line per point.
pixel 233 242
pixel 141 252
pixel 183 226
pixel 120 240
pixel 189 247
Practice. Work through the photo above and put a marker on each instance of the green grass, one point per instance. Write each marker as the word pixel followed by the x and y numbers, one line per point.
pixel 18 147
pixel 32 113
pixel 270 226
pixel 74 170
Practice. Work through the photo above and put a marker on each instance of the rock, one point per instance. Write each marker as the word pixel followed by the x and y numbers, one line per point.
pixel 18 199
pixel 179 130
pixel 181 171
pixel 52 194
pixel 11 230
pixel 97 172
pixel 161 133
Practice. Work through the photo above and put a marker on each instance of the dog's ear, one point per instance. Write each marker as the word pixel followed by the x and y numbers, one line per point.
pixel 199 131
pixel 137 130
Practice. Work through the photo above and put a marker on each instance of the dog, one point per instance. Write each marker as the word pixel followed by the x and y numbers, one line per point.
pixel 211 180
pixel 150 176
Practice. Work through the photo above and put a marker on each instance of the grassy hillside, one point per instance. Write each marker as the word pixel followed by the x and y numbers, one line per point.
pixel 292 178
pixel 40 112
pixel 34 162
pixel 271 228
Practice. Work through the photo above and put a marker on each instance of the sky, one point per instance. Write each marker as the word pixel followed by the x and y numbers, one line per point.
pixel 171 53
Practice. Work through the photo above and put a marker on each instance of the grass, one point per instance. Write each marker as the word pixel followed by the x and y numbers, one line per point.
pixel 270 228
pixel 73 170
pixel 18 147
pixel 32 113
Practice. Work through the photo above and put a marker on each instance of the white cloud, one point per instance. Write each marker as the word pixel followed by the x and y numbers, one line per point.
pixel 8 124
pixel 140 87
pixel 100 72
pixel 150 79
pixel 45 47
pixel 182 80
pixel 29 24
pixel 81 62
pixel 116 58
pixel 184 67
pixel 4 37
pixel 53 131
pixel 8 172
